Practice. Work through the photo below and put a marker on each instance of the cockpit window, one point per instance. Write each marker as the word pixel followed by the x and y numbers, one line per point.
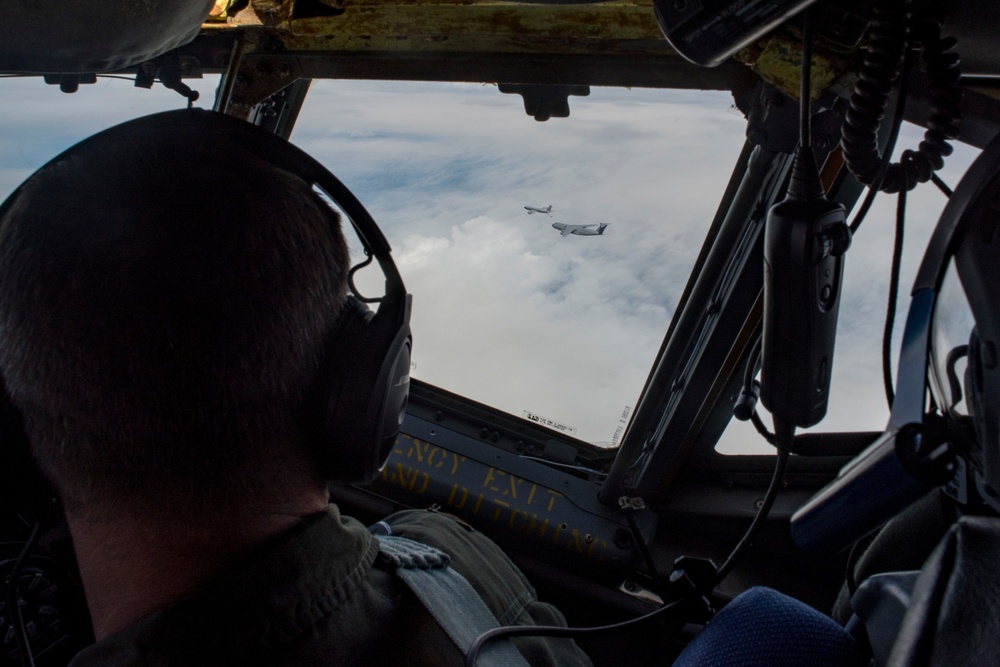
pixel 952 325
pixel 857 394
pixel 554 315
pixel 508 310
pixel 39 121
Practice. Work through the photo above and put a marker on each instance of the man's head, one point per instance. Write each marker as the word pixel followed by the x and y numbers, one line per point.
pixel 166 302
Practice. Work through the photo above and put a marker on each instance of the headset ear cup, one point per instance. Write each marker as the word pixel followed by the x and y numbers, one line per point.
pixel 368 389
pixel 366 373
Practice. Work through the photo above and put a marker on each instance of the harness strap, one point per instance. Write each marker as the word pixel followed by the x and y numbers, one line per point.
pixel 448 597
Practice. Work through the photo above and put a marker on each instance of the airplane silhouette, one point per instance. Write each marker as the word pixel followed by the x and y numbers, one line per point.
pixel 532 209
pixel 581 230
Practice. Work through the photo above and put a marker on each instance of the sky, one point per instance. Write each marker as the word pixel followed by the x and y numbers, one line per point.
pixel 506 311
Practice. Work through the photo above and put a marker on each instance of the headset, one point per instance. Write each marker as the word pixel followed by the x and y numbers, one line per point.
pixel 921 450
pixel 365 383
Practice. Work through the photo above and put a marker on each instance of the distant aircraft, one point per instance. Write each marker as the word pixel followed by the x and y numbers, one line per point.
pixel 581 230
pixel 532 209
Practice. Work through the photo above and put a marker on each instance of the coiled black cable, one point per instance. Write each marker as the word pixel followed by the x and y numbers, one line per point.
pixel 888 39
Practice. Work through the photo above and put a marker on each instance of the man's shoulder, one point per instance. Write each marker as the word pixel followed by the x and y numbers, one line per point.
pixel 499 582
pixel 452 535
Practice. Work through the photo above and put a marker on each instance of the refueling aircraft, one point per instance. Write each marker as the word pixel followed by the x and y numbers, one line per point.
pixel 871 465
pixel 532 209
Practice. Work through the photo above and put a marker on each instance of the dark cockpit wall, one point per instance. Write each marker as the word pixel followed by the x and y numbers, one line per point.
pixel 558 510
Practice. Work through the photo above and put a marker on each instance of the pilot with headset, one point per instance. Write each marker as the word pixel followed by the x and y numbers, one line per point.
pixel 188 368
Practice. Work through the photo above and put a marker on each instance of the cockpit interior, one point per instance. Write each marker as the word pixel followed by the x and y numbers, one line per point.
pixel 760 351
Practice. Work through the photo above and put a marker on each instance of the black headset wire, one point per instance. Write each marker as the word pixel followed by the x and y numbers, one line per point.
pixel 890 314
pixel 897 124
pixel 784 436
pixel 13 587
pixel 897 257
pixel 761 427
pixel 941 185
pixel 805 83
pixel 644 550
pixel 749 373
pixel 753 364
pixel 783 439
pixel 745 543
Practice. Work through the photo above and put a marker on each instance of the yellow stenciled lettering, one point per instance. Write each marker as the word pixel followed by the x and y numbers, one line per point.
pixel 398 475
pixel 454 465
pixel 514 481
pixel 500 507
pixel 574 542
pixel 489 477
pixel 441 459
pixel 552 498
pixel 479 502
pixel 540 528
pixel 418 449
pixel 398 448
pixel 427 482
pixel 457 490
pixel 495 488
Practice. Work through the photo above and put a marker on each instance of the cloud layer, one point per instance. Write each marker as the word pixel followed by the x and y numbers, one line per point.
pixel 506 311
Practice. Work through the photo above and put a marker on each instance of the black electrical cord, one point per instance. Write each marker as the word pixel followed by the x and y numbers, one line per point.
pixel 951 361
pixel 749 373
pixel 560 631
pixel 804 183
pixel 746 402
pixel 369 258
pixel 761 427
pixel 787 434
pixel 784 437
pixel 646 555
pixel 942 186
pixel 753 365
pixel 805 83
pixel 897 125
pixel 888 43
pixel 13 601
pixel 890 314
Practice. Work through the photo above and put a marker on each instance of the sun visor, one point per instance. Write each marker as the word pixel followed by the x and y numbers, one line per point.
pixel 93 35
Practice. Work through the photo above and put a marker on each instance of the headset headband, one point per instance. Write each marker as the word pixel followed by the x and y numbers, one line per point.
pixel 908 459
pixel 276 151
pixel 368 376
pixel 975 190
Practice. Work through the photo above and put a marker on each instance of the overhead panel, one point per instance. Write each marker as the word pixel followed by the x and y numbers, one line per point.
pixel 600 43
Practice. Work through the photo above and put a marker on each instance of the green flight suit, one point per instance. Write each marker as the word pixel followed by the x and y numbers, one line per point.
pixel 315 597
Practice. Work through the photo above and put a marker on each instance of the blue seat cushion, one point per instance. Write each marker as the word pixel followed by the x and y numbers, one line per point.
pixel 764 628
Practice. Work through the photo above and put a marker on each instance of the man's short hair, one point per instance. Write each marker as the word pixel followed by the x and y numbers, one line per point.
pixel 165 306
